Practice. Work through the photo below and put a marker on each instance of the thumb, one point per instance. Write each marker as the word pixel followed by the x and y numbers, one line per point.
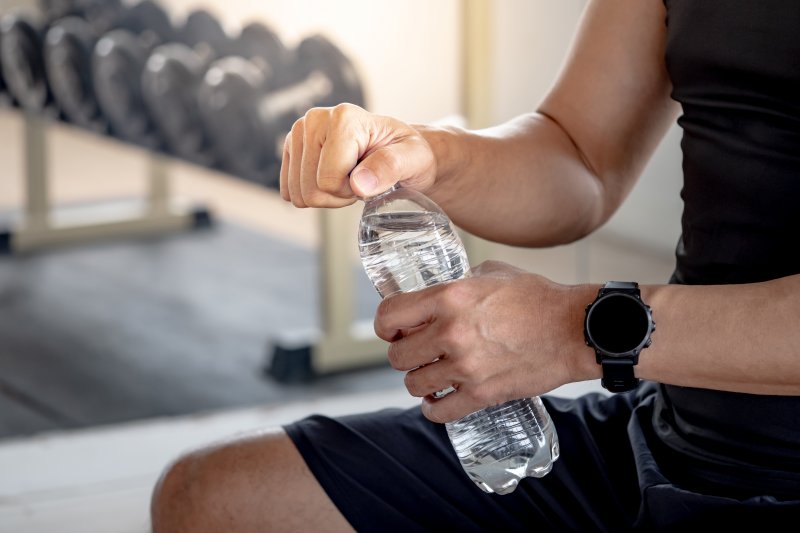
pixel 410 162
pixel 366 183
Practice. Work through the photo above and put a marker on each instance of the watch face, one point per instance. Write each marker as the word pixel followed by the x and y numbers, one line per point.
pixel 618 323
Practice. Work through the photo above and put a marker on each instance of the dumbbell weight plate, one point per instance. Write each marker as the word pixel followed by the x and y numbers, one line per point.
pixel 68 48
pixel 149 19
pixel 67 52
pixel 318 53
pixel 204 30
pixel 227 101
pixel 258 43
pixel 169 88
pixel 118 60
pixel 23 68
pixel 117 63
pixel 171 79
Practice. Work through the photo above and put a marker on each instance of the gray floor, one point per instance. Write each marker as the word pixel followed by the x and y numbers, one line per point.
pixel 129 330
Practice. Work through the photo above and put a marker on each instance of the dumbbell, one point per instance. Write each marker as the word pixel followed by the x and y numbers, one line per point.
pixel 169 84
pixel 68 46
pixel 22 34
pixel 227 83
pixel 21 59
pixel 249 118
pixel 117 61
pixel 175 71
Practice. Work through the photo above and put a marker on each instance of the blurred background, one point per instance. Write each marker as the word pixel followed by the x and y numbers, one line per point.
pixel 156 293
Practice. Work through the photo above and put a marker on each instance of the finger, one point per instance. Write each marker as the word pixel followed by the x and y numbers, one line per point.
pixel 449 408
pixel 414 350
pixel 407 160
pixel 312 143
pixel 284 176
pixel 430 379
pixel 404 311
pixel 295 160
pixel 337 158
pixel 348 139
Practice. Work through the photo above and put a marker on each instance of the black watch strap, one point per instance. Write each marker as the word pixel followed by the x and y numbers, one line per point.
pixel 620 286
pixel 618 375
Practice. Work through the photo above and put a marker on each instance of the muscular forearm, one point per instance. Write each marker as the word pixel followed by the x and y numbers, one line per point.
pixel 741 338
pixel 522 183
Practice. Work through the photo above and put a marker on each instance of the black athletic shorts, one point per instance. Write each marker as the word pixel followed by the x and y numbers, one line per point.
pixel 393 470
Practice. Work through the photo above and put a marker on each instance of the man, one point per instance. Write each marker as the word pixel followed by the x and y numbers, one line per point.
pixel 711 433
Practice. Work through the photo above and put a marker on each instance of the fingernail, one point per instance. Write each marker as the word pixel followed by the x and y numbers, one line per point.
pixel 365 180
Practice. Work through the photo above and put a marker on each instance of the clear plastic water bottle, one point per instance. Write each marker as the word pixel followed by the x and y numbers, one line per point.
pixel 407 243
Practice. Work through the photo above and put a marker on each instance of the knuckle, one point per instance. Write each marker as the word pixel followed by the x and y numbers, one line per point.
pixel 452 335
pixel 381 317
pixel 287 145
pixel 298 127
pixel 315 116
pixel 454 295
pixel 465 367
pixel 487 266
pixel 342 112
pixel 394 355
pixel 411 383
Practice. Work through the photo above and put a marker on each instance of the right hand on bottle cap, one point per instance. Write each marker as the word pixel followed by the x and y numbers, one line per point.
pixel 335 155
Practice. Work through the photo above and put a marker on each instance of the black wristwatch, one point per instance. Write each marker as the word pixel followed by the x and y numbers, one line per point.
pixel 618 326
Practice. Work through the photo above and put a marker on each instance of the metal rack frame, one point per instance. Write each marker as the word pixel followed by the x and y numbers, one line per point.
pixel 40 229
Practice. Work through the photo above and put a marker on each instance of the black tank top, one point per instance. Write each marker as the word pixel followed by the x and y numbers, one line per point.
pixel 735 69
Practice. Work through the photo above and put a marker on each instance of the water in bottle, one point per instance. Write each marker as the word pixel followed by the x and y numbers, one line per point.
pixel 407 243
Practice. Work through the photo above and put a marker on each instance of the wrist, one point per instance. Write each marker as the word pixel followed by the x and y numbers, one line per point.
pixel 452 157
pixel 583 363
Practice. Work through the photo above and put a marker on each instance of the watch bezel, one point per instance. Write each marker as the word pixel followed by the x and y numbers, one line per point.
pixel 628 354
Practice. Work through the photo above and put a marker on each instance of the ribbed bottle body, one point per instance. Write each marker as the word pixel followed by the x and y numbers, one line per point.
pixel 404 252
pixel 500 445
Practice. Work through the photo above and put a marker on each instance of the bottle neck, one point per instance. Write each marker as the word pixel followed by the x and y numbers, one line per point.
pixel 382 195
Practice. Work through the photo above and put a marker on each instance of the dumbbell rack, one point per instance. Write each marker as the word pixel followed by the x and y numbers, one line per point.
pixel 39 228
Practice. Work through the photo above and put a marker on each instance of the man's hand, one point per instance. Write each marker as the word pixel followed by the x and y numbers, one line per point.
pixel 334 155
pixel 499 335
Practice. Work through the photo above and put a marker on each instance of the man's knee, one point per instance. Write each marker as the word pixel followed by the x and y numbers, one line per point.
pixel 181 495
pixel 204 490
pixel 259 482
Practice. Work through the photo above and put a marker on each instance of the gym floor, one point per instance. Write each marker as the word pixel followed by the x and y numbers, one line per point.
pixel 115 356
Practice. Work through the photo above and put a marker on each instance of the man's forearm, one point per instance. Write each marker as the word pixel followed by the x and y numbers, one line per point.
pixel 740 338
